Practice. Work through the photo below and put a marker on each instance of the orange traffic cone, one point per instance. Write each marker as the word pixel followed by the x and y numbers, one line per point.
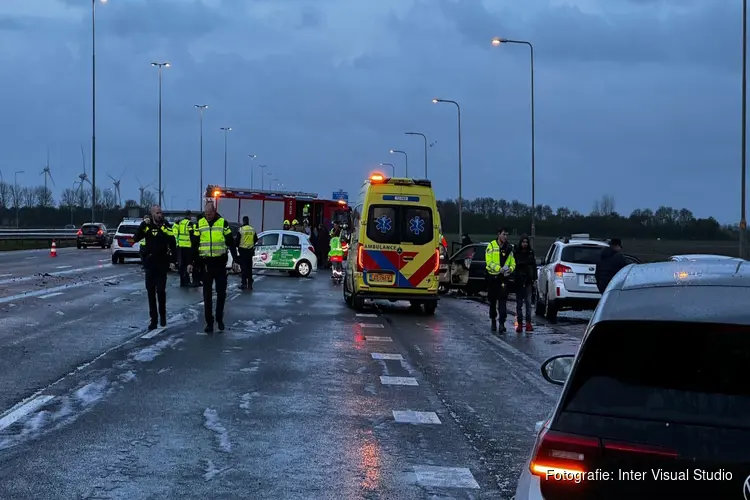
pixel 53 250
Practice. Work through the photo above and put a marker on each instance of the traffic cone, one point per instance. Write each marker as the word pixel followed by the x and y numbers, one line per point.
pixel 53 250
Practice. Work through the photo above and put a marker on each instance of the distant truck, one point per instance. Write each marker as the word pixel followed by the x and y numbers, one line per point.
pixel 268 209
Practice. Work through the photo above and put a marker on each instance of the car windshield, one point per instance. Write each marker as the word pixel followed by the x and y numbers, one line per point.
pixel 673 372
pixel 581 254
pixel 127 229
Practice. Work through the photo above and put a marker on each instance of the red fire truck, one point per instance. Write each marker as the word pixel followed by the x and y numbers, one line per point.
pixel 269 209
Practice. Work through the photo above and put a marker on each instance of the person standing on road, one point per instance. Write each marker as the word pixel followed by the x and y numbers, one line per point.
pixel 525 276
pixel 211 240
pixel 156 262
pixel 246 240
pixel 183 231
pixel 611 260
pixel 499 265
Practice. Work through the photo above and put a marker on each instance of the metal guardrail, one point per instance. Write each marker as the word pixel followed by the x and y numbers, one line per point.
pixel 41 234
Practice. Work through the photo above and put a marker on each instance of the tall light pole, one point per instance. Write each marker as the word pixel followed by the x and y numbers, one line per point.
pixel 393 169
pixel 406 159
pixel 201 108
pixel 225 129
pixel 425 149
pixel 743 219
pixel 262 175
pixel 496 42
pixel 160 66
pixel 460 169
pixel 93 107
pixel 15 193
pixel 252 172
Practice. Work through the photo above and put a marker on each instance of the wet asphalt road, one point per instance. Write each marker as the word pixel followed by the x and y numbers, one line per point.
pixel 292 401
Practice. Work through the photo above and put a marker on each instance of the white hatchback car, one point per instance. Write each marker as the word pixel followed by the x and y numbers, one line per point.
pixel 123 246
pixel 280 250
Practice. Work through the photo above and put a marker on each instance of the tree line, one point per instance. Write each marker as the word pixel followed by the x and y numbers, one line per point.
pixel 37 208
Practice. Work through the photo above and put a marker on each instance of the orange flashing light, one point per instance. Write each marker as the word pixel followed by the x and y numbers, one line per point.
pixel 377 178
pixel 217 193
pixel 342 202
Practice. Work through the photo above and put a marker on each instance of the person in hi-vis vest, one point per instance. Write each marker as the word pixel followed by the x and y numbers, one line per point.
pixel 246 240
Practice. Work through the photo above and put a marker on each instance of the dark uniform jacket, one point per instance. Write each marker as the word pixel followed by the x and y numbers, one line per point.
pixel 610 263
pixel 160 248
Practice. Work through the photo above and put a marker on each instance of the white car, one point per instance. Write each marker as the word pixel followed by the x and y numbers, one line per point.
pixel 280 250
pixel 700 257
pixel 123 246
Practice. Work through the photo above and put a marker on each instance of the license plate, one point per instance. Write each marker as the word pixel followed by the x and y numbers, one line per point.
pixel 589 279
pixel 380 277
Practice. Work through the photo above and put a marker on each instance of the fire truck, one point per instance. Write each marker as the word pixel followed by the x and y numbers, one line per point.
pixel 268 209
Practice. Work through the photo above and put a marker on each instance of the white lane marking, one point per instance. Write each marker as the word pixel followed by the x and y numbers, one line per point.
pixel 27 295
pixel 63 267
pixel 392 357
pixel 30 258
pixel 370 325
pixel 56 273
pixel 50 295
pixel 398 380
pixel 378 339
pixel 445 477
pixel 17 413
pixel 136 292
pixel 5 275
pixel 366 315
pixel 415 417
pixel 153 333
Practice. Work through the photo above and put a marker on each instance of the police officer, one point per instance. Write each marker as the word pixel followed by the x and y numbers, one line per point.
pixel 211 239
pixel 500 264
pixel 183 231
pixel 246 240
pixel 156 261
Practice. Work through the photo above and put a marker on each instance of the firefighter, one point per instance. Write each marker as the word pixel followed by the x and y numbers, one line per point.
pixel 296 226
pixel 212 240
pixel 500 264
pixel 156 262
pixel 183 231
pixel 246 240
pixel 286 225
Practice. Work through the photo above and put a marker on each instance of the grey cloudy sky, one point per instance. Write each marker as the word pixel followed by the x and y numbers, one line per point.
pixel 635 98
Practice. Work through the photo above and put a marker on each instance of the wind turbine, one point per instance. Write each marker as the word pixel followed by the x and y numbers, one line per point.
pixel 47 173
pixel 142 189
pixel 116 183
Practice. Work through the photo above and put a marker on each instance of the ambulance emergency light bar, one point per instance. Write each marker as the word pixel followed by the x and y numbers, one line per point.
pixel 378 178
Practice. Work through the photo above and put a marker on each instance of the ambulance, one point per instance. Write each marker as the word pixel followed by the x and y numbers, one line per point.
pixel 395 244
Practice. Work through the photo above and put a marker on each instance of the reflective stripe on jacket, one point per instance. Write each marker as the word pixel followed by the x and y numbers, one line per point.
pixel 212 238
pixel 497 257
pixel 247 236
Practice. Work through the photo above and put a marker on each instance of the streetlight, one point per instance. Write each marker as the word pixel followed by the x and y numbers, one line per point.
pixel 201 108
pixel 496 42
pixel 262 175
pixel 460 168
pixel 406 159
pixel 160 66
pixel 15 193
pixel 93 105
pixel 393 169
pixel 425 149
pixel 225 129
pixel 743 219
pixel 252 172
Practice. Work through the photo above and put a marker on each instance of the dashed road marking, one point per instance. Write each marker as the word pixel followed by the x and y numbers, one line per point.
pixel 445 477
pixel 18 413
pixel 366 315
pixel 415 417
pixel 63 267
pixel 153 333
pixel 368 338
pixel 5 275
pixel 392 357
pixel 370 325
pixel 50 295
pixel 385 380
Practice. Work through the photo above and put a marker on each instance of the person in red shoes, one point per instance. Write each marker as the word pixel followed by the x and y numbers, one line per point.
pixel 525 277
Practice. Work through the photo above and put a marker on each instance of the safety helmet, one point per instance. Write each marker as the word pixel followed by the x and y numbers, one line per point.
pixel 286 222
pixel 295 222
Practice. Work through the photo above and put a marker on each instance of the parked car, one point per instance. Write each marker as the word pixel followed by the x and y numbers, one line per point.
pixel 567 276
pixel 279 250
pixel 93 234
pixel 659 385
pixel 123 246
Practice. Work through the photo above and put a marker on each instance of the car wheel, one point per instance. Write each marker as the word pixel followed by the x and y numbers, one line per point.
pixel 430 307
pixel 303 268
pixel 358 303
pixel 115 259
pixel 539 307
pixel 122 260
pixel 347 296
pixel 550 310
pixel 442 289
pixel 78 245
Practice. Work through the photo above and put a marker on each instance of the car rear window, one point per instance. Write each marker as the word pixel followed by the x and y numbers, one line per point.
pixel 576 254
pixel 396 224
pixel 127 229
pixel 691 373
pixel 90 228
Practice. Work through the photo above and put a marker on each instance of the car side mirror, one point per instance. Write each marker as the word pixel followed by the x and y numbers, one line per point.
pixel 557 368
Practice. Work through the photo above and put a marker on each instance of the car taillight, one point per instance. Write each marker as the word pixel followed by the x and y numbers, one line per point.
pixel 560 269
pixel 311 248
pixel 360 266
pixel 437 262
pixel 80 232
pixel 99 232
